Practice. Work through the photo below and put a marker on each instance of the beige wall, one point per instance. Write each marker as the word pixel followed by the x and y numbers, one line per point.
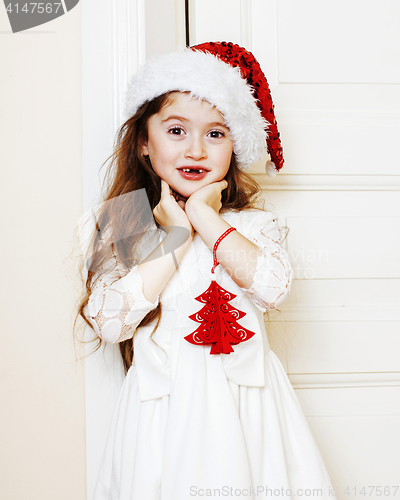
pixel 42 420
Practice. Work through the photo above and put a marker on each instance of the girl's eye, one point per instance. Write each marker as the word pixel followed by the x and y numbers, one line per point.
pixel 175 130
pixel 216 134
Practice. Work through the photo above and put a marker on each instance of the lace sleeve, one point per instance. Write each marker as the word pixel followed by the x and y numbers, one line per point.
pixel 273 275
pixel 117 304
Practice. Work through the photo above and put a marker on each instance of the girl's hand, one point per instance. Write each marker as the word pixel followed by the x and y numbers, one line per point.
pixel 209 195
pixel 168 213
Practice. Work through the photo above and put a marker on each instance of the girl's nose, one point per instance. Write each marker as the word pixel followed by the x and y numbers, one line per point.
pixel 196 148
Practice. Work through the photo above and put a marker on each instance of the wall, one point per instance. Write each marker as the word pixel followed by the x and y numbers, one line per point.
pixel 42 386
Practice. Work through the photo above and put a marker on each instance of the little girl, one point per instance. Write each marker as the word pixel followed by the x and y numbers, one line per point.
pixel 206 408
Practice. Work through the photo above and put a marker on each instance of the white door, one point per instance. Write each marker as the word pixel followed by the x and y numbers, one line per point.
pixel 334 73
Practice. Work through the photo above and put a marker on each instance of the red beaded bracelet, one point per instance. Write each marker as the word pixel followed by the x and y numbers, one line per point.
pixel 216 263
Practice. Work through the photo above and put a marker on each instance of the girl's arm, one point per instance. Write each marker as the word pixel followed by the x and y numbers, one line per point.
pixel 257 263
pixel 235 253
pixel 120 301
pixel 171 216
pixel 156 271
pixel 117 305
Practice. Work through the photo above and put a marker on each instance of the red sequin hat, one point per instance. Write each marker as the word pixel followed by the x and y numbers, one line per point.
pixel 230 78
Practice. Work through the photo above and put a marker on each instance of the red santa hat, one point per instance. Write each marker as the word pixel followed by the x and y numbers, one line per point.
pixel 228 77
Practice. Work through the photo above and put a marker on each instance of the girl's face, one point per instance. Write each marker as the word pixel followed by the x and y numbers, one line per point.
pixel 188 144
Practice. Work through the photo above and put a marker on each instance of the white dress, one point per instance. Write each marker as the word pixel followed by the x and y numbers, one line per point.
pixel 189 423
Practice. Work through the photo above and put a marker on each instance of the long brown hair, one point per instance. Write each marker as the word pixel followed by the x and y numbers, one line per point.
pixel 130 171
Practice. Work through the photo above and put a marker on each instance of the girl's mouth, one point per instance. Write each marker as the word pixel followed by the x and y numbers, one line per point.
pixel 193 174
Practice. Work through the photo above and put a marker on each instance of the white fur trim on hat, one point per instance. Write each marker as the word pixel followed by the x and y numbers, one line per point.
pixel 270 169
pixel 210 79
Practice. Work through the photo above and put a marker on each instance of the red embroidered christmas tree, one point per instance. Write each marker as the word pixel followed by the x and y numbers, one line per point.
pixel 218 321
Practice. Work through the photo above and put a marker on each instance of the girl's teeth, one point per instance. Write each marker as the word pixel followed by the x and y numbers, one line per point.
pixel 190 169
